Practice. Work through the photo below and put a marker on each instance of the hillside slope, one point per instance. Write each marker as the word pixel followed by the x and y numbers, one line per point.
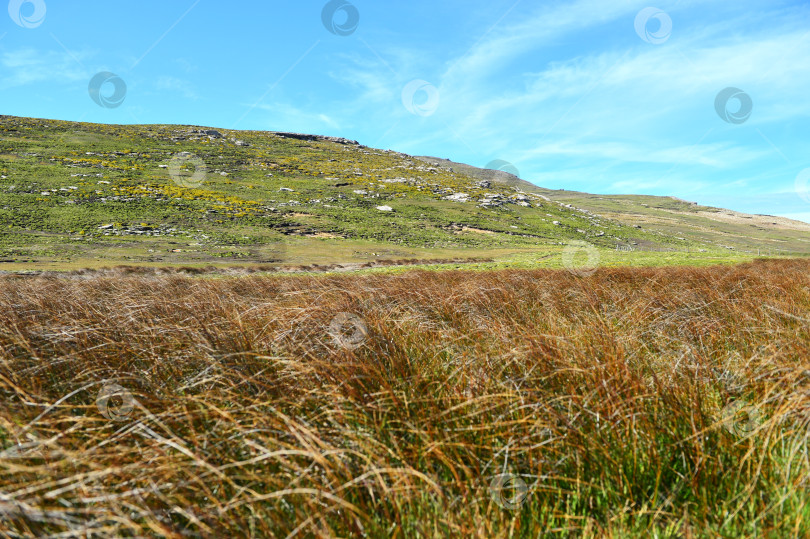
pixel 89 194
pixel 670 216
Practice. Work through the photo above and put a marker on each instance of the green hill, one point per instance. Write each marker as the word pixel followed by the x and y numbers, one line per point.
pixel 81 194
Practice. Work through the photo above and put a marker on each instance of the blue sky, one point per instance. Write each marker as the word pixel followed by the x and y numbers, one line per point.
pixel 598 96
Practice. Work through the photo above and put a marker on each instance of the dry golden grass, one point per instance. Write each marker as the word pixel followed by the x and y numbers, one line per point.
pixel 610 397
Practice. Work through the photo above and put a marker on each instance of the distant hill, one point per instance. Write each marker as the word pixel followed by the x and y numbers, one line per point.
pixel 80 194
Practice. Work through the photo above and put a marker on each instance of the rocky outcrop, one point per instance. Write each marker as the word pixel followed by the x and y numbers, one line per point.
pixel 317 138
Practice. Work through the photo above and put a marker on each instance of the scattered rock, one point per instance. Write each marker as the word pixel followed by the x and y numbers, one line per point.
pixel 385 208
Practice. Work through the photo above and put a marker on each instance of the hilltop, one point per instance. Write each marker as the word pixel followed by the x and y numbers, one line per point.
pixel 82 194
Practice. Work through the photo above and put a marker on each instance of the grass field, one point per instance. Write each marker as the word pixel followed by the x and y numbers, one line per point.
pixel 620 402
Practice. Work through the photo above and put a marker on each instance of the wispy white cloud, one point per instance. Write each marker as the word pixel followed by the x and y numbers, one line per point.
pixel 29 66
pixel 547 24
pixel 633 95
pixel 185 65
pixel 713 155
pixel 367 81
pixel 177 86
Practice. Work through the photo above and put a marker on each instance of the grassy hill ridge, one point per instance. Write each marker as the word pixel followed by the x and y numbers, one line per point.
pixel 83 194
pixel 669 215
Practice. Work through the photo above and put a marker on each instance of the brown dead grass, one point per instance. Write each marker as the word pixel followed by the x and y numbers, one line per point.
pixel 605 395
